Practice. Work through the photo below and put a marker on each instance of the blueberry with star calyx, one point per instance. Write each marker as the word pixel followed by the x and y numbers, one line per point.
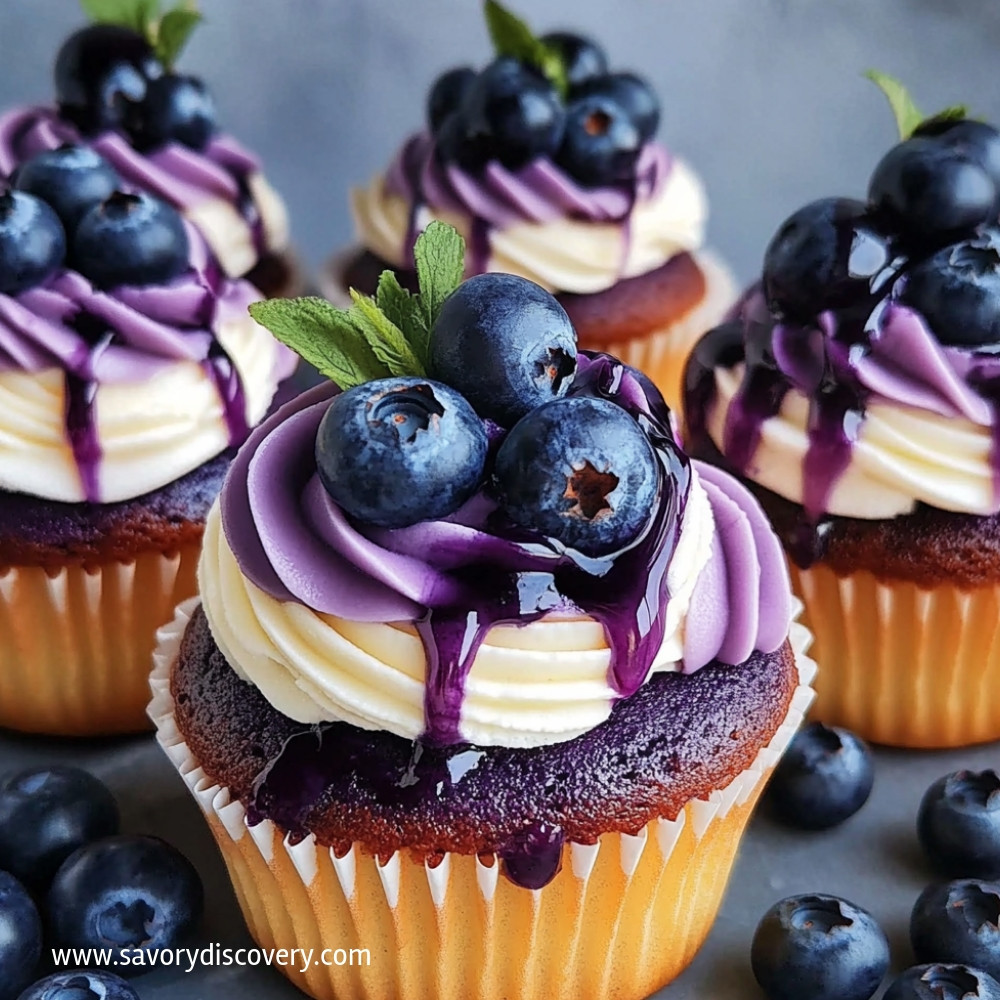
pixel 505 343
pixel 176 108
pixel 99 70
pixel 977 141
pixel 580 470
pixel 823 256
pixel 72 179
pixel 943 982
pixel 958 922
pixel 958 824
pixel 80 985
pixel 957 290
pixel 633 93
pixel 601 142
pixel 32 242
pixel 20 936
pixel 582 57
pixel 447 93
pixel 396 451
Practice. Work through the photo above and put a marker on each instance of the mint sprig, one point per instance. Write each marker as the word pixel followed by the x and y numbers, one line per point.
pixel 909 118
pixel 167 33
pixel 377 337
pixel 512 37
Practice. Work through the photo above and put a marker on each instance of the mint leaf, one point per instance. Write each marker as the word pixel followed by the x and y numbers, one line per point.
pixel 440 258
pixel 173 33
pixel 908 115
pixel 384 338
pixel 512 37
pixel 324 336
pixel 139 15
pixel 405 311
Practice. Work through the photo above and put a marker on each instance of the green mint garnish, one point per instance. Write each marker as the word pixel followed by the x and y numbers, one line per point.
pixel 908 116
pixel 512 37
pixel 167 34
pixel 376 337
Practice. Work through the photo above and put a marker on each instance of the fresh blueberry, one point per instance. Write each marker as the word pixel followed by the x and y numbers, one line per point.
pixel 957 290
pixel 512 114
pixel 824 256
pixel 454 144
pixel 930 193
pixel 601 143
pixel 958 922
pixel 819 947
pixel 633 93
pixel 32 242
pixel 124 893
pixel 943 982
pixel 824 778
pixel 99 70
pixel 582 57
pixel 505 343
pixel 400 450
pixel 63 807
pixel 977 141
pixel 175 109
pixel 20 936
pixel 447 94
pixel 80 985
pixel 72 179
pixel 579 470
pixel 958 824
pixel 130 239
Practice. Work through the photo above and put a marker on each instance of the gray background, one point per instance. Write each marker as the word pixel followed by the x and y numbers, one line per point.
pixel 764 97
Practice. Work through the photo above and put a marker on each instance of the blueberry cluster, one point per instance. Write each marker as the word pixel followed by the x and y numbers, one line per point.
pixel 512 113
pixel 65 208
pixel 498 412
pixel 926 236
pixel 108 77
pixel 68 879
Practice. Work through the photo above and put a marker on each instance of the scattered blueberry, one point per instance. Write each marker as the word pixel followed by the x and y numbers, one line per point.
pixel 579 470
pixel 824 256
pixel 819 947
pixel 80 985
pixel 72 179
pixel 824 778
pixel 63 807
pixel 99 70
pixel 20 937
pixel 505 343
pixel 633 93
pixel 977 141
pixel 175 109
pixel 124 893
pixel 400 450
pixel 958 824
pixel 130 239
pixel 601 143
pixel 957 290
pixel 32 242
pixel 931 194
pixel 958 922
pixel 943 982
pixel 447 94
pixel 512 114
pixel 582 57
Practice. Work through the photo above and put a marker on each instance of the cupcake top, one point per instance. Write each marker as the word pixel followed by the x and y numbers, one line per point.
pixel 117 92
pixel 489 537
pixel 126 358
pixel 546 162
pixel 859 377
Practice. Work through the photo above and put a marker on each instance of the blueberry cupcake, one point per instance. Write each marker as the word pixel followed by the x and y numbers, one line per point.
pixel 856 392
pixel 129 369
pixel 117 92
pixel 547 163
pixel 486 674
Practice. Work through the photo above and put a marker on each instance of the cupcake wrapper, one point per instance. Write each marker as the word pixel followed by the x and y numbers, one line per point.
pixel 75 648
pixel 622 917
pixel 904 665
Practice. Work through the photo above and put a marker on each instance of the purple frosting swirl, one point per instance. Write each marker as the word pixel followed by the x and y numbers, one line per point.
pixel 457 577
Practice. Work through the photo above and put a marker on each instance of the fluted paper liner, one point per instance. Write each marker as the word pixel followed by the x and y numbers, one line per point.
pixel 904 665
pixel 76 647
pixel 623 916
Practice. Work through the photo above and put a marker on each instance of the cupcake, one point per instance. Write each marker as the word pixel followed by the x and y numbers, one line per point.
pixel 486 674
pixel 129 369
pixel 547 163
pixel 855 390
pixel 118 93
